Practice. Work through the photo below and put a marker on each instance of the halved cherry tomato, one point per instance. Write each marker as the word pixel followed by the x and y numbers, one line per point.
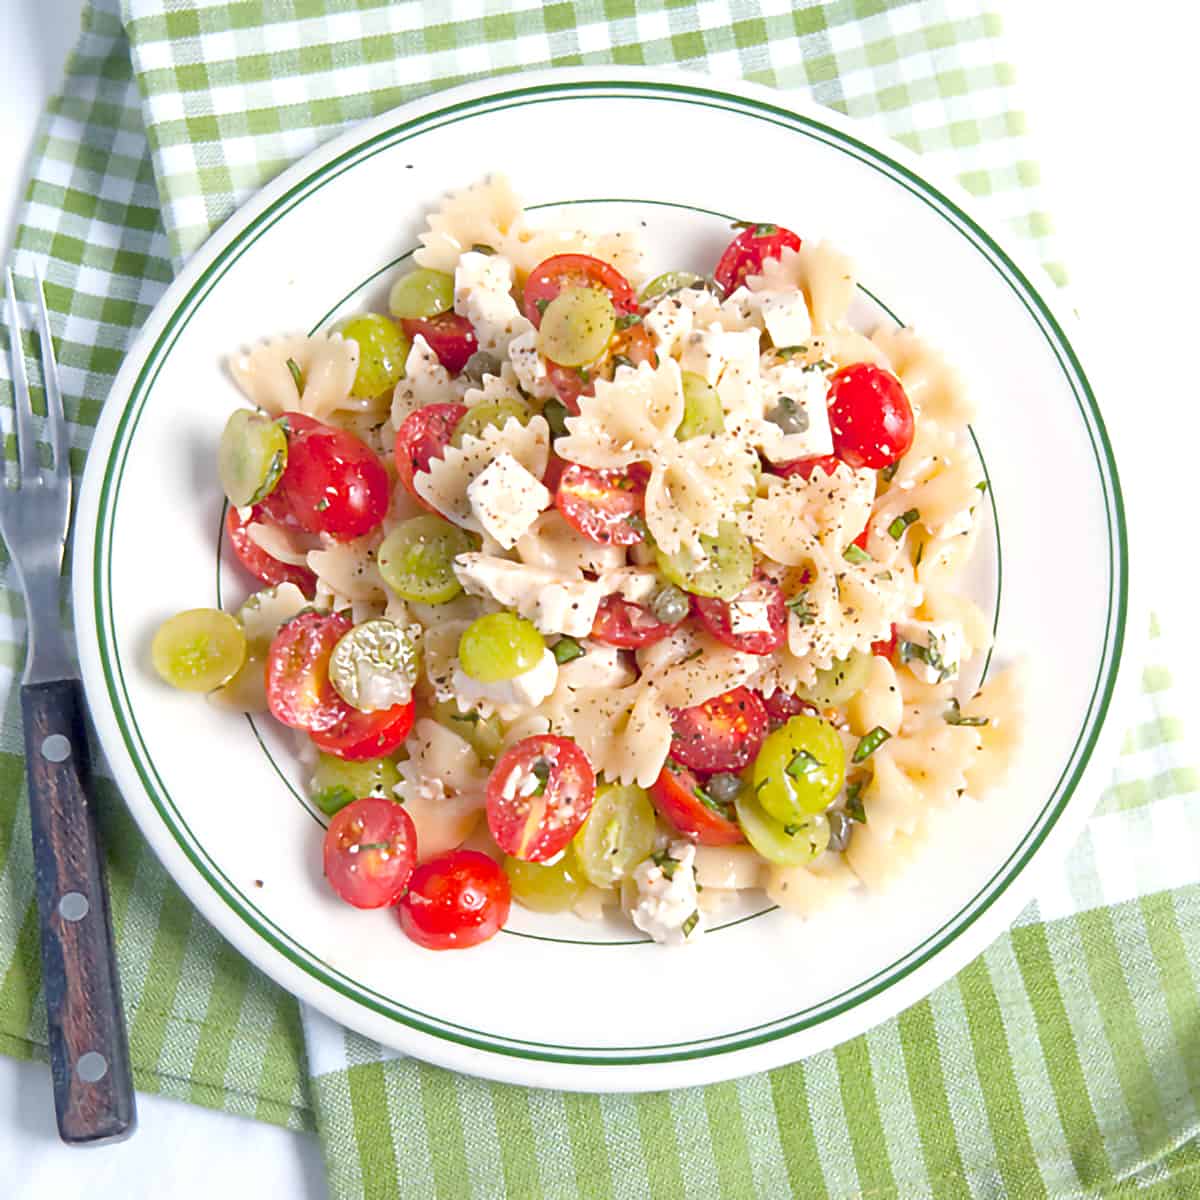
pixel 359 735
pixel 538 795
pixel 457 900
pixel 782 706
pixel 680 798
pixel 370 851
pixel 562 271
pixel 333 482
pixel 258 562
pixel 622 623
pixel 599 503
pixel 748 251
pixel 861 540
pixel 886 647
pixel 722 734
pixel 424 435
pixel 299 692
pixel 450 337
pixel 717 617
pixel 804 467
pixel 554 472
pixel 627 346
pixel 869 416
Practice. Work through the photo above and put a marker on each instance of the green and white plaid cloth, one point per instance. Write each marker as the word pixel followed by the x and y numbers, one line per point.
pixel 1064 1061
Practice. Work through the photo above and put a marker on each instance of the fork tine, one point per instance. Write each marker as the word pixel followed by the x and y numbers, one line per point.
pixel 56 422
pixel 22 405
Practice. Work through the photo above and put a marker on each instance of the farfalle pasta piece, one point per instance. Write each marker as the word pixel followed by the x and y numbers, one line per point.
pixel 824 274
pixel 690 666
pixel 554 545
pixel 480 215
pixel 425 381
pixel 999 702
pixel 442 786
pixel 444 485
pixel 348 570
pixel 807 890
pixel 879 861
pixel 797 515
pixel 628 419
pixel 327 363
pixel 933 387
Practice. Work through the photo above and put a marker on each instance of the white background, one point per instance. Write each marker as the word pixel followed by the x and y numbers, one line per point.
pixel 1112 108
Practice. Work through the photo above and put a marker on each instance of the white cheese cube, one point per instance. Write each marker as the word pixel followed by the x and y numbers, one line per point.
pixel 508 696
pixel 749 616
pixel 506 499
pixel 937 649
pixel 529 365
pixel 482 294
pixel 667 897
pixel 808 390
pixel 786 317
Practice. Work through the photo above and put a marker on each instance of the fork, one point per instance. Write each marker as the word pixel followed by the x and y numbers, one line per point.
pixel 89 1055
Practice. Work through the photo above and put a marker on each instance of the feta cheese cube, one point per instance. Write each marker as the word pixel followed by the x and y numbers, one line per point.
pixel 506 499
pixel 529 366
pixel 786 317
pixel 937 649
pixel 482 294
pixel 669 322
pixel 508 696
pixel 807 390
pixel 749 616
pixel 667 898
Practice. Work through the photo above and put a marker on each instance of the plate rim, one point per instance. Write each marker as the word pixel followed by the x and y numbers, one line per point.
pixel 632 1071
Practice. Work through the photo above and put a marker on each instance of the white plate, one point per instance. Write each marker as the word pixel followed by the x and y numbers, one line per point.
pixel 554 1001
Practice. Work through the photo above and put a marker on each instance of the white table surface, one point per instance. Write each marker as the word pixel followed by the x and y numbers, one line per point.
pixel 1115 123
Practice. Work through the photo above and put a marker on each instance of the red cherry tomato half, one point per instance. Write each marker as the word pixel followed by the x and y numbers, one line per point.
pixel 870 416
pixel 359 735
pixel 333 482
pixel 538 794
pixel 563 271
pixel 679 797
pixel 455 901
pixel 622 623
pixel 804 467
pixel 782 706
pixel 886 647
pixel 748 251
pixel 258 562
pixel 599 504
pixel 370 851
pixel 450 337
pixel 629 347
pixel 299 692
pixel 554 472
pixel 424 435
pixel 760 601
pixel 722 734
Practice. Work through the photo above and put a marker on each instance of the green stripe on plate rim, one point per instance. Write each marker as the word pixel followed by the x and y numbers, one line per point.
pixel 391 265
pixel 807 126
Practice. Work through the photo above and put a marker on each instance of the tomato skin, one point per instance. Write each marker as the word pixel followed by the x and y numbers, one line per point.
pixel 333 482
pixel 598 504
pixel 716 617
pixel 804 467
pixel 299 692
pixel 536 827
pixel 634 343
pixel 455 901
pixel 561 271
pixel 424 435
pixel 370 878
pixel 869 416
pixel 626 625
pixel 450 337
pixel 258 562
pixel 886 647
pixel 722 734
pixel 358 736
pixel 554 472
pixel 782 706
pixel 748 251
pixel 674 796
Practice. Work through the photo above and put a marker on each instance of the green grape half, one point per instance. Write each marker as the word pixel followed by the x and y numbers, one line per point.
pixel 382 351
pixel 617 835
pixel 723 571
pixel 198 650
pixel 500 646
pixel 374 665
pixel 577 326
pixel 840 682
pixel 251 457
pixel 490 413
pixel 416 559
pixel 546 887
pixel 799 769
pixel 338 781
pixel 702 411
pixel 421 294
pixel 787 845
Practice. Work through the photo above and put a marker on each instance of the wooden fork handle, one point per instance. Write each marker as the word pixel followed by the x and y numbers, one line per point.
pixel 89 1055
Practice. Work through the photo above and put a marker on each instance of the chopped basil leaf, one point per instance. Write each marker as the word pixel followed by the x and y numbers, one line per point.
pixel 566 650
pixel 920 553
pixel 953 716
pixel 981 486
pixel 721 809
pixel 333 799
pixel 854 804
pixel 756 228
pixel 695 654
pixel 889 472
pixel 555 412
pixel 800 607
pixel 869 744
pixel 665 863
pixel 856 554
pixel 541 306
pixel 788 351
pixel 361 846
pixel 902 522
pixel 470 718
pixel 322 504
pixel 483 248
pixel 622 360
pixel 584 374
pixel 884 577
pixel 792 830
pixel 802 765
pixel 297 375
pixel 690 924
pixel 625 320
pixel 541 772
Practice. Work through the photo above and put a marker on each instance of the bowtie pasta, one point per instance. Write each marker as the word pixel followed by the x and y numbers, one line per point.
pixel 605 593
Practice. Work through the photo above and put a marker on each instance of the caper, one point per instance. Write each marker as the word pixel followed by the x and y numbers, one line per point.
pixel 671 605
pixel 556 413
pixel 840 828
pixel 723 788
pixel 481 363
pixel 789 416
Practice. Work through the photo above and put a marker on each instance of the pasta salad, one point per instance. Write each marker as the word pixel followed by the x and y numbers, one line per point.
pixel 606 594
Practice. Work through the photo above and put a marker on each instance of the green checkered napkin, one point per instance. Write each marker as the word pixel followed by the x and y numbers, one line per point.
pixel 1064 1061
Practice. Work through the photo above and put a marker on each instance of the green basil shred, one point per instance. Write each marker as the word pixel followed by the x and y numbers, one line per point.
pixel 566 650
pixel 297 375
pixel 869 743
pixel 856 554
pixel 902 522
